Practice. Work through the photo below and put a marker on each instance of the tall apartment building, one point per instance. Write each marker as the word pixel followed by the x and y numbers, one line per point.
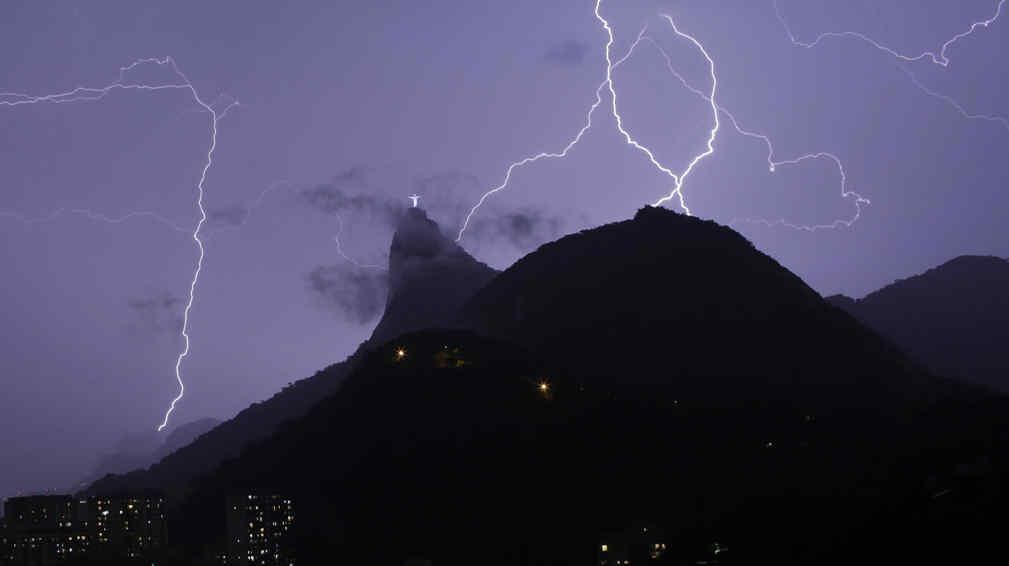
pixel 43 529
pixel 131 526
pixel 260 530
pixel 52 529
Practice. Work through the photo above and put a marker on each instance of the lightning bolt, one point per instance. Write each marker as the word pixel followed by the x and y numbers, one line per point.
pixel 773 164
pixel 92 94
pixel 956 105
pixel 678 179
pixel 196 239
pixel 547 155
pixel 92 215
pixel 343 254
pixel 939 58
pixel 628 138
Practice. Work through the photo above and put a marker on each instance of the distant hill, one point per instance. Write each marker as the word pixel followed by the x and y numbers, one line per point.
pixel 174 471
pixel 665 298
pixel 141 450
pixel 658 369
pixel 954 318
pixel 430 277
pixel 129 453
pixel 184 434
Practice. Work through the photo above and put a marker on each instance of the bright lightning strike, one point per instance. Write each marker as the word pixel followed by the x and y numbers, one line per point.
pixel 90 94
pixel 543 155
pixel 774 164
pixel 196 239
pixel 606 84
pixel 678 179
pixel 681 179
pixel 939 58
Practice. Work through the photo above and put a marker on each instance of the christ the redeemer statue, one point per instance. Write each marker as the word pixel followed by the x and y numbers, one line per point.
pixel 415 199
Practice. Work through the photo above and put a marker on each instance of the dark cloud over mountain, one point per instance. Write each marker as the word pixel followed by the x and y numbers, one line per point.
pixel 523 229
pixel 355 293
pixel 352 191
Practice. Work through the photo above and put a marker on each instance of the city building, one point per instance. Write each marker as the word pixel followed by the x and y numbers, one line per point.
pixel 128 526
pixel 260 530
pixel 5 555
pixel 54 529
pixel 43 529
pixel 639 543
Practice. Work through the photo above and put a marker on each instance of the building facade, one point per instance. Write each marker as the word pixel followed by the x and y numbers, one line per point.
pixel 128 526
pixel 55 529
pixel 43 529
pixel 260 530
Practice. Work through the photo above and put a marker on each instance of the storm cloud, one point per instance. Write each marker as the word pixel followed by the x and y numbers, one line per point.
pixel 352 191
pixel 228 216
pixel 157 313
pixel 568 53
pixel 524 229
pixel 356 294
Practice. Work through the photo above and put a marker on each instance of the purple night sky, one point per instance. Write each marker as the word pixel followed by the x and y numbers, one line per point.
pixel 346 108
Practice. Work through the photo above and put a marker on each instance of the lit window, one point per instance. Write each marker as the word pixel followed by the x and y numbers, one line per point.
pixel 604 548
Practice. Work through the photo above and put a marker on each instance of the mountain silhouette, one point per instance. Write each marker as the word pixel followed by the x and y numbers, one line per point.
pixel 668 298
pixel 429 278
pixel 184 434
pixel 657 369
pixel 954 318
pixel 141 450
pixel 129 453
